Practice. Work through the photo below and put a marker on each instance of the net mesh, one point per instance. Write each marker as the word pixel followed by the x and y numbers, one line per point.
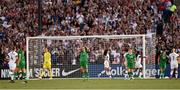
pixel 65 54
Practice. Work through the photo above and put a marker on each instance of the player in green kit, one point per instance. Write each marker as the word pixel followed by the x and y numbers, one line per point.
pixel 130 57
pixel 21 63
pixel 163 59
pixel 84 62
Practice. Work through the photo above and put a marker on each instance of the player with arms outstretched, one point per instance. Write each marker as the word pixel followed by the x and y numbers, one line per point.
pixel 46 63
pixel 84 62
pixel 107 67
pixel 130 57
pixel 173 63
pixel 13 59
pixel 163 59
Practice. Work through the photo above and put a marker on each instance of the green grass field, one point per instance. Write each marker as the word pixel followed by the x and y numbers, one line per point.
pixel 93 84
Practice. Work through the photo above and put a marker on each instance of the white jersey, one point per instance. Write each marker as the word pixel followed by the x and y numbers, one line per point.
pixel 125 60
pixel 117 57
pixel 106 61
pixel 12 57
pixel 138 62
pixel 125 55
pixel 173 57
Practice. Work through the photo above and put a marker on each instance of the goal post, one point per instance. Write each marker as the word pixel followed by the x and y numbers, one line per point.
pixel 34 48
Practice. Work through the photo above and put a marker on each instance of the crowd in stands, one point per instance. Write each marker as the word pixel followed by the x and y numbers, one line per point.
pixel 19 19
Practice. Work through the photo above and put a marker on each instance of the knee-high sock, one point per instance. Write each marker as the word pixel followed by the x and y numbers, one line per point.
pixel 11 75
pixel 171 73
pixel 16 74
pixel 102 72
pixel 50 72
pixel 161 73
pixel 176 74
pixel 86 73
pixel 24 75
pixel 42 73
pixel 140 74
pixel 126 74
pixel 108 73
pixel 130 74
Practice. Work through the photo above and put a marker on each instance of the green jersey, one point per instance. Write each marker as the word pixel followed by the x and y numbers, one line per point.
pixel 84 59
pixel 21 57
pixel 163 60
pixel 130 60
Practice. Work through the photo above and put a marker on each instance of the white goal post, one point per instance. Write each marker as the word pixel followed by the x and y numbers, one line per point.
pixel 142 36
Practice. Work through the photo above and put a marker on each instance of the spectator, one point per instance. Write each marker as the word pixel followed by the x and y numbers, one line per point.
pixel 18 19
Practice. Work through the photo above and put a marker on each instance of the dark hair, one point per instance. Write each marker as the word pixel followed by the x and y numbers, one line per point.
pixel 86 49
pixel 130 48
pixel 105 52
pixel 14 48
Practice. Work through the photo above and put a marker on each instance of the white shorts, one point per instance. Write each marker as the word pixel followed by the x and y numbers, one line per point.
pixel 174 65
pixel 138 65
pixel 12 66
pixel 106 64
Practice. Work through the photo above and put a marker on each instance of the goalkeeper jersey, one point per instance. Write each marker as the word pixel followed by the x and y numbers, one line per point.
pixel 47 57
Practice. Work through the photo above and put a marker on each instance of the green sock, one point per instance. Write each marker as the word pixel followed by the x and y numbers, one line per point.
pixel 163 74
pixel 16 75
pixel 130 74
pixel 86 74
pixel 24 75
pixel 83 75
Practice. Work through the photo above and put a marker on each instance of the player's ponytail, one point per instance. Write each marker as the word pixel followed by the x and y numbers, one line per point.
pixel 105 52
pixel 86 49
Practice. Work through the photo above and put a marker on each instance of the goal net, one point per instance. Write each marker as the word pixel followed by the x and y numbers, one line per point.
pixel 65 51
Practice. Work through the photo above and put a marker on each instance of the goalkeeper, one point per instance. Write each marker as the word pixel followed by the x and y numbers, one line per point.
pixel 84 62
pixel 46 63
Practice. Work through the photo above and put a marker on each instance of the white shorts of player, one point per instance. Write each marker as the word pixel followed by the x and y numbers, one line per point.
pixel 174 65
pixel 12 66
pixel 106 64
pixel 138 65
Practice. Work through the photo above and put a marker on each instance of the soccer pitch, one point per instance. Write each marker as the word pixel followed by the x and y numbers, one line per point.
pixel 95 84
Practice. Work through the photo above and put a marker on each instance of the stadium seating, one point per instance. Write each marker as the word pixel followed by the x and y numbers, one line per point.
pixel 18 19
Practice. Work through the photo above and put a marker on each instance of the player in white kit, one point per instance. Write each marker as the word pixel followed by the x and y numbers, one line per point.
pixel 107 67
pixel 138 65
pixel 126 76
pixel 13 57
pixel 173 63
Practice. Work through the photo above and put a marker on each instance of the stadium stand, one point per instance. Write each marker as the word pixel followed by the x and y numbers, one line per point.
pixel 19 19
